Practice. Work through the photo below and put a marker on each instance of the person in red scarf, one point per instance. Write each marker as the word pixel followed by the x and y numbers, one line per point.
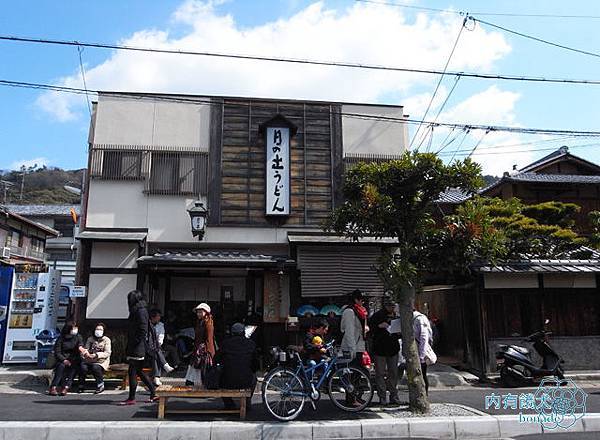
pixel 354 317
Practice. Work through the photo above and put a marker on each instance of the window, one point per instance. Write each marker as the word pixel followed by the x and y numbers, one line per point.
pixel 178 173
pixel 65 227
pixel 122 165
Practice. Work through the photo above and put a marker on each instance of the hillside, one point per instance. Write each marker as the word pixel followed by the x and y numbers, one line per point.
pixel 44 186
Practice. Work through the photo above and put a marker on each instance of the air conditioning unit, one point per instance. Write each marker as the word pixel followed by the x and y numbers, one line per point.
pixel 5 252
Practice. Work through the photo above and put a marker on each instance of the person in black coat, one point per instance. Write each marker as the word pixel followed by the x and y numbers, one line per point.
pixel 237 356
pixel 385 351
pixel 68 358
pixel 137 345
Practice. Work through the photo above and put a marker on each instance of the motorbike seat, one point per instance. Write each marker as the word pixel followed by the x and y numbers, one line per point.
pixel 521 350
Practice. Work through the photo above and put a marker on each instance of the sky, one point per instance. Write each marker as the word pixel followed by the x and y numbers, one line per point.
pixel 49 128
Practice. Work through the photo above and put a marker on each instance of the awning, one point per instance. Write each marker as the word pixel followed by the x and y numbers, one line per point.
pixel 336 239
pixel 214 258
pixel 111 236
pixel 338 270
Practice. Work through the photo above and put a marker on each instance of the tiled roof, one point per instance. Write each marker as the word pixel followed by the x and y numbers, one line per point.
pixel 590 264
pixel 43 210
pixel 453 196
pixel 562 152
pixel 213 258
pixel 551 178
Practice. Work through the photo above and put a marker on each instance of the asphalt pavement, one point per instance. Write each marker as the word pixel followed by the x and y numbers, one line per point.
pixel 36 406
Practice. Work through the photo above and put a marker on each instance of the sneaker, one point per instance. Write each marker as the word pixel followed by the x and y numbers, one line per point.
pixel 100 389
pixel 64 391
pixel 157 381
pixel 168 369
pixel 127 402
pixel 52 391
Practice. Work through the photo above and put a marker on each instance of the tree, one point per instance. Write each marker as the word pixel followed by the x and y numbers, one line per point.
pixel 396 199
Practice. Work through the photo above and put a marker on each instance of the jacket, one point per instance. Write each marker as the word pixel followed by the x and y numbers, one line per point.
pixel 384 343
pixel 101 349
pixel 67 348
pixel 204 333
pixel 423 333
pixel 137 333
pixel 352 328
pixel 237 355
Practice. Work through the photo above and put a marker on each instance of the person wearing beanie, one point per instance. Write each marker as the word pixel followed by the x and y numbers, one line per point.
pixel 238 358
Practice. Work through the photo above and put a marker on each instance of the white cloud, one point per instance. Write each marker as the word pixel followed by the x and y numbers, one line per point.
pixel 366 33
pixel 498 151
pixel 36 162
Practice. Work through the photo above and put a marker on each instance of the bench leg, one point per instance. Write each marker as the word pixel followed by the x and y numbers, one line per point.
pixel 162 403
pixel 243 408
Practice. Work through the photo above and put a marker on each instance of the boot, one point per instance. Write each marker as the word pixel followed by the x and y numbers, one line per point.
pixel 52 391
pixel 64 391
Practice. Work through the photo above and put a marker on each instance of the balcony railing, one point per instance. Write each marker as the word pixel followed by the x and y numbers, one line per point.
pixel 27 252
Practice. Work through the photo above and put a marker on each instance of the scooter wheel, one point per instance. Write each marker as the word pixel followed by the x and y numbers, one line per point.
pixel 507 379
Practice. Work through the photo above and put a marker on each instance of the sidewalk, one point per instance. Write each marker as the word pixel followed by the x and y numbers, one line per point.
pixel 459 428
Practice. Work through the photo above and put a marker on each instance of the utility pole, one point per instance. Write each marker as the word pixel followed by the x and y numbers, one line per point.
pixel 6 185
pixel 23 170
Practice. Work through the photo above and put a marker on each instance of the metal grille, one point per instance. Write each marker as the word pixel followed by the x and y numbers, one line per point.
pixel 336 271
pixel 165 170
pixel 351 159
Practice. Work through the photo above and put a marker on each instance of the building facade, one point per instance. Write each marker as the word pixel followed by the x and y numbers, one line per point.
pixel 269 173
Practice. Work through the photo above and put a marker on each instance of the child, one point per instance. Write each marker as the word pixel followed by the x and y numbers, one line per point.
pixel 314 340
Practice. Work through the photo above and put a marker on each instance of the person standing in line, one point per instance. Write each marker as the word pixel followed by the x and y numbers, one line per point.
pixel 385 352
pixel 354 316
pixel 204 346
pixel 424 337
pixel 68 358
pixel 137 339
pixel 96 358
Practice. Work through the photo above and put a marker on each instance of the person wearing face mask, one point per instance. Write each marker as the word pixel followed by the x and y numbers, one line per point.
pixel 95 358
pixel 68 358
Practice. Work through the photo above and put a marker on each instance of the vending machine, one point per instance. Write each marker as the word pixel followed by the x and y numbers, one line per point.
pixel 6 280
pixel 33 307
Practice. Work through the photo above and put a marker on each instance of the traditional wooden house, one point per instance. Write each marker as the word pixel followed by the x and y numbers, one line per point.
pixel 257 176
pixel 507 302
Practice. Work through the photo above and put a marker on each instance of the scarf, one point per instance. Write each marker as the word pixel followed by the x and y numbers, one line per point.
pixel 360 311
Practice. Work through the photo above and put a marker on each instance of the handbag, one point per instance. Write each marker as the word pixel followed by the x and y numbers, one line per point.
pixel 430 356
pixel 212 377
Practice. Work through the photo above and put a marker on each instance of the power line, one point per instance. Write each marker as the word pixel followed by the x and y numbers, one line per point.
pixel 204 101
pixel 498 14
pixel 446 102
pixel 530 150
pixel 489 76
pixel 87 96
pixel 531 37
pixel 439 82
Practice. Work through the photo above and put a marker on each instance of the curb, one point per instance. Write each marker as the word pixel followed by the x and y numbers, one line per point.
pixel 457 428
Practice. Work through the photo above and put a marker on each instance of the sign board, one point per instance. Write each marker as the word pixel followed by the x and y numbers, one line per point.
pixel 277 182
pixel 77 292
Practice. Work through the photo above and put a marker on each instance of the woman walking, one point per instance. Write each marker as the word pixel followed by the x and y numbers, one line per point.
pixel 67 352
pixel 353 327
pixel 137 338
pixel 204 346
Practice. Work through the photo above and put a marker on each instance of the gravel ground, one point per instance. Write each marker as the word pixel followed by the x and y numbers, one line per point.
pixel 437 410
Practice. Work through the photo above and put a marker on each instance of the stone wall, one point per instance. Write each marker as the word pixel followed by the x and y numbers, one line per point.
pixel 579 352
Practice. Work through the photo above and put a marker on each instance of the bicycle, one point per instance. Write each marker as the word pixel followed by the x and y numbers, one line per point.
pixel 285 390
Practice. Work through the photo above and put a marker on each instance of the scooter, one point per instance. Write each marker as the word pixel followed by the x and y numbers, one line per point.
pixel 516 366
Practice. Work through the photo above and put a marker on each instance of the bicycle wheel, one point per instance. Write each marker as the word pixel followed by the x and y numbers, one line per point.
pixel 350 389
pixel 283 394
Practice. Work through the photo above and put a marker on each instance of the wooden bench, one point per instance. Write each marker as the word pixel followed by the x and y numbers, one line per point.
pixel 120 371
pixel 167 391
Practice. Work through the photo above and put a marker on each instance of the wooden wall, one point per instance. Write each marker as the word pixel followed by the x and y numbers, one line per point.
pixel 237 183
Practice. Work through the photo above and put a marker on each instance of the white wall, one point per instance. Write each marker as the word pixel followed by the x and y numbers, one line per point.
pixel 114 255
pixel 510 281
pixel 107 295
pixel 147 121
pixel 374 136
pixel 116 204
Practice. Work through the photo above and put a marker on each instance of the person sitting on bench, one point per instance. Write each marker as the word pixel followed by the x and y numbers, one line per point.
pixel 95 356
pixel 237 356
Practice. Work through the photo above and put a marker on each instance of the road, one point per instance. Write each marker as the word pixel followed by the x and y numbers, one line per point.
pixel 29 406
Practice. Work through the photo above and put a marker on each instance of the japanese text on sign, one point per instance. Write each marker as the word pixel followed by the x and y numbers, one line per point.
pixel 278 171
